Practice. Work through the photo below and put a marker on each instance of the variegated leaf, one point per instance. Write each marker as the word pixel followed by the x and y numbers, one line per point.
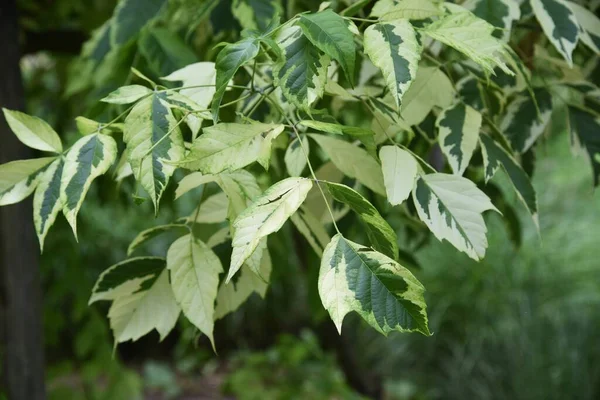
pixel 399 169
pixel 90 157
pixel 127 94
pixel 33 131
pixel 47 201
pixel 150 233
pixel 559 24
pixel 470 35
pixel 353 161
pixel 366 136
pixel 353 277
pixel 495 156
pixel 590 26
pixel 154 142
pixel 265 215
pixel 585 127
pixel 301 72
pixel 391 10
pixel 200 79
pixel 394 49
pixel 195 270
pixel 255 14
pixel 18 179
pixel 522 125
pixel 231 146
pixel 458 128
pixel 451 207
pixel 500 13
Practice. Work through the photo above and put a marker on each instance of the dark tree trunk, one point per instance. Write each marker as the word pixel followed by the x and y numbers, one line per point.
pixel 20 301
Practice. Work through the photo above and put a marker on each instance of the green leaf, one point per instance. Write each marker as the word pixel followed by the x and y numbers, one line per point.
pixel 213 210
pixel 150 233
pixel 590 26
pixel 521 124
pixel 192 181
pixel 127 94
pixel 431 88
pixel 154 142
pixel 380 233
pixel 203 76
pixel 495 156
pixel 470 35
pixel 391 10
pixel 451 207
pixel 195 270
pixel 130 16
pixel 295 159
pixel 330 32
pixel 142 298
pixel 499 13
pixel 353 161
pixel 366 136
pixel 33 131
pixel 47 201
pixel 458 128
pixel 399 173
pixel 164 51
pixel 301 72
pixel 384 293
pixel 90 157
pixel 559 24
pixel 265 215
pixel 18 179
pixel 255 14
pixel 233 294
pixel 585 127
pixel 229 60
pixel 311 228
pixel 231 146
pixel 394 49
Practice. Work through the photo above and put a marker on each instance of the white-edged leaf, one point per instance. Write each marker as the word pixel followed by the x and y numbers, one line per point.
pixel 590 26
pixel 585 128
pixel 33 131
pixel 295 159
pixel 394 49
pixel 353 277
pixel 150 233
pixel 390 10
pixel 399 169
pixel 353 161
pixel 90 157
pixel 200 74
pixel 559 24
pixel 458 128
pixel 265 215
pixel 255 14
pixel 451 207
pixel 231 146
pixel 127 94
pixel 195 270
pixel 47 201
pixel 500 13
pixel 18 179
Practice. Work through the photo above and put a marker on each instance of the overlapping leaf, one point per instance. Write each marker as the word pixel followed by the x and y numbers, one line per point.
pixel 399 169
pixel 255 14
pixel 430 88
pixel 47 201
pixel 18 179
pixel 499 13
pixel 559 24
pixel 391 10
pixel 585 128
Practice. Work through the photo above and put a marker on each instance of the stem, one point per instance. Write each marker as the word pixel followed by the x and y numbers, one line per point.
pixel 363 19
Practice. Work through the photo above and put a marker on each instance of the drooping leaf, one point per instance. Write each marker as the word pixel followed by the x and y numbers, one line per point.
pixel 366 136
pixel 152 138
pixel 255 14
pixel 394 49
pixel 142 298
pixel 353 161
pixel 231 146
pixel 470 35
pixel 47 201
pixel 384 293
pixel 129 18
pixel 499 13
pixel 33 131
pixel 150 233
pixel 430 88
pixel 392 10
pixel 265 215
pixel 522 125
pixel 399 169
pixel 451 207
pixel 295 159
pixel 127 94
pixel 590 26
pixel 331 34
pixel 90 157
pixel 233 294
pixel 18 179
pixel 311 228
pixel 165 51
pixel 380 233
pixel 301 72
pixel 192 181
pixel 559 24
pixel 586 128
pixel 495 156
pixel 230 59
pixel 195 270
pixel 458 128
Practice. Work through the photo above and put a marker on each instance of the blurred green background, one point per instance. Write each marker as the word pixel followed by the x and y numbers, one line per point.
pixel 522 324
